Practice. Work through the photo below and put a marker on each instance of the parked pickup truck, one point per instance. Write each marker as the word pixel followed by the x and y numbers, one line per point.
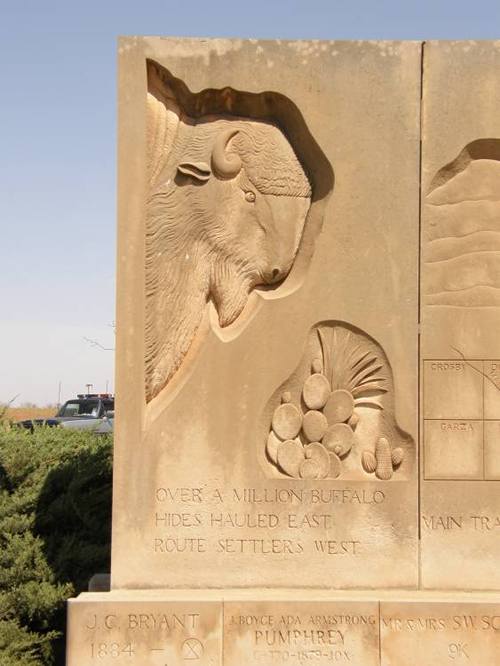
pixel 93 411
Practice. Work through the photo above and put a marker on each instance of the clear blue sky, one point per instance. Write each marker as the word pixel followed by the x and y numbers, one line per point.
pixel 57 153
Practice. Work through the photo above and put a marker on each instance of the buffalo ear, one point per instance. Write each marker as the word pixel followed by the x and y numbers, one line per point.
pixel 200 171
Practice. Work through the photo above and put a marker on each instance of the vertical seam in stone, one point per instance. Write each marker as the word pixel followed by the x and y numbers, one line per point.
pixel 379 633
pixel 223 625
pixel 484 424
pixel 419 319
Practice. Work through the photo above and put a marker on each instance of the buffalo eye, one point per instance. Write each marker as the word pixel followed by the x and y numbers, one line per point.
pixel 250 196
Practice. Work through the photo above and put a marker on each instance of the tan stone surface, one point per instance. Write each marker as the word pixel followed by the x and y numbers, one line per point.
pixel 143 631
pixel 295 632
pixel 213 487
pixel 268 627
pixel 438 633
pixel 268 307
pixel 460 494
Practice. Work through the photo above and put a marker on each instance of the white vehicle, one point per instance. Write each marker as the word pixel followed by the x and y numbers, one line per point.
pixel 93 411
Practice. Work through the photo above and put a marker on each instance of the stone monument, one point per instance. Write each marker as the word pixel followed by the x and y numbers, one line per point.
pixel 307 452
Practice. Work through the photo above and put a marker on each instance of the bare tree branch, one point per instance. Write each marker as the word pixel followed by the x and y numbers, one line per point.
pixel 97 344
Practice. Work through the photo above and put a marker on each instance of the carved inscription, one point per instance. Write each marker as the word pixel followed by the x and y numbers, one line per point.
pixel 143 633
pixel 470 522
pixel 275 521
pixel 255 632
pixel 451 633
pixel 336 417
pixel 295 633
pixel 461 419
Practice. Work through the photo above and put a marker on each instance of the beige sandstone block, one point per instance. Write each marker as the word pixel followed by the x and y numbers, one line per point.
pixel 459 387
pixel 460 316
pixel 491 382
pixel 143 630
pixel 267 487
pixel 267 267
pixel 492 450
pixel 453 449
pixel 295 632
pixel 439 633
pixel 273 627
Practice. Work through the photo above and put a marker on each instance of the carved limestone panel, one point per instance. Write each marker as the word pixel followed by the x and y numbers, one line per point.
pixel 460 314
pixel 461 275
pixel 462 235
pixel 267 338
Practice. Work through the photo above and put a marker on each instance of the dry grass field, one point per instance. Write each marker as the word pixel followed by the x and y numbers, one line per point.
pixel 21 413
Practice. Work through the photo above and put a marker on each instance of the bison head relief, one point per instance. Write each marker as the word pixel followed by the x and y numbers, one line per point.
pixel 255 212
pixel 225 216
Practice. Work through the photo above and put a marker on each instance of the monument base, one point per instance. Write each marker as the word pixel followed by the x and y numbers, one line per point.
pixel 292 627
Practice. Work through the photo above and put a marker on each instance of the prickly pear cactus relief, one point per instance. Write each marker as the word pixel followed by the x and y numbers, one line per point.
pixel 334 417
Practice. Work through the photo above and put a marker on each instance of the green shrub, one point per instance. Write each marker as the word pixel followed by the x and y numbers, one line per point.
pixel 55 526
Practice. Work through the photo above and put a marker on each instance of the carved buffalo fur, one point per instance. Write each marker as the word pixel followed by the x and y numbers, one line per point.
pixel 225 213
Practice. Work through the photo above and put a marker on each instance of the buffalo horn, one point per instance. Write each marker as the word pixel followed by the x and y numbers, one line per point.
pixel 225 165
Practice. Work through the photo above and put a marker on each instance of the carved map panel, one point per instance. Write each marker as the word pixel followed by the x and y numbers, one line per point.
pixel 460 345
pixel 461 241
pixel 461 412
